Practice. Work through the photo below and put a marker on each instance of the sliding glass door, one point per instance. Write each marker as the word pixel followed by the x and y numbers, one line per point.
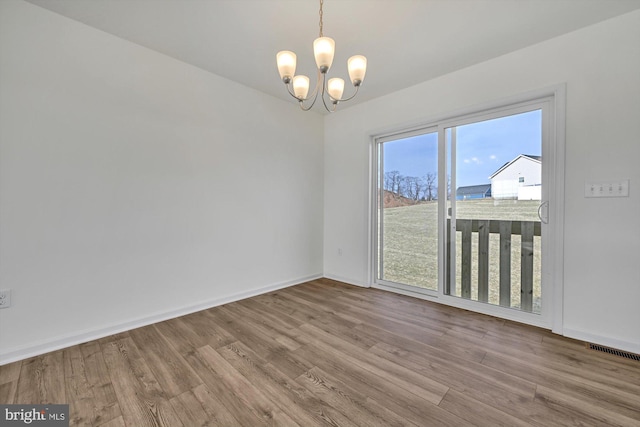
pixel 494 231
pixel 408 210
pixel 462 210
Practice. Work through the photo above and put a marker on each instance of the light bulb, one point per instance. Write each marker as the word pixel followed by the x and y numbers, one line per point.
pixel 357 66
pixel 301 87
pixel 286 61
pixel 335 87
pixel 323 50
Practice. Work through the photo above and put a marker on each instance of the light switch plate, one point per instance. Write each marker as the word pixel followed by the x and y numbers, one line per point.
pixel 5 298
pixel 607 189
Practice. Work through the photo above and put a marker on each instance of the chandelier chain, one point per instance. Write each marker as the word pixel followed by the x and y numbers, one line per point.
pixel 320 13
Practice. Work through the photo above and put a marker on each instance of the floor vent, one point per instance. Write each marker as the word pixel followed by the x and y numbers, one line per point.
pixel 613 351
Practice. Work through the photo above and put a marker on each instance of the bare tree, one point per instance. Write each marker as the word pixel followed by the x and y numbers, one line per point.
pixel 414 187
pixel 430 186
pixel 391 180
pixel 409 187
pixel 400 186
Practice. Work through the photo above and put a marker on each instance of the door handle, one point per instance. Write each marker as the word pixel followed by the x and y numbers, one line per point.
pixel 544 221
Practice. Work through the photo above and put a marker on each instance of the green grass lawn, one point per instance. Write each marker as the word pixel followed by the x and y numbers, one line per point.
pixel 410 246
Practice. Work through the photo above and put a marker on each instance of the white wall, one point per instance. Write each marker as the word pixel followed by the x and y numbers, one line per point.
pixel 134 187
pixel 601 67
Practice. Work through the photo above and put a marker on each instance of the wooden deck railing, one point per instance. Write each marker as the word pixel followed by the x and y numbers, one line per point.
pixel 525 229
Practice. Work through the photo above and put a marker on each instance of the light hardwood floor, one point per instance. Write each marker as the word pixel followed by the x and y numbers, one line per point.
pixel 326 353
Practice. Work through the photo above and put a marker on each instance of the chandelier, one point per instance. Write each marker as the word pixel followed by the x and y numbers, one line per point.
pixel 323 50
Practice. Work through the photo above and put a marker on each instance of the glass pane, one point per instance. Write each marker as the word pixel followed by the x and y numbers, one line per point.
pixel 408 241
pixel 495 255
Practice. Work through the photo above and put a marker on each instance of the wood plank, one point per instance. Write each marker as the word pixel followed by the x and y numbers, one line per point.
pixel 400 316
pixel 487 390
pixel 574 385
pixel 566 357
pixel 9 375
pixel 325 307
pixel 449 286
pixel 426 342
pixel 181 335
pixel 285 337
pixel 478 413
pixel 494 226
pixel 319 384
pixel 116 422
pixel 252 398
pixel 483 261
pixel 575 405
pixel 199 407
pixel 420 385
pixel 213 406
pixel 489 386
pixel 170 369
pixel 277 387
pixel 142 401
pixel 42 380
pixel 505 263
pixel 219 391
pixel 394 398
pixel 10 372
pixel 105 401
pixel 78 389
pixel 274 318
pixel 317 407
pixel 8 392
pixel 205 324
pixel 575 370
pixel 426 314
pixel 526 266
pixel 465 268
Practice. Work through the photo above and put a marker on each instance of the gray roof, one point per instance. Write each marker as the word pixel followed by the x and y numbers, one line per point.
pixel 473 189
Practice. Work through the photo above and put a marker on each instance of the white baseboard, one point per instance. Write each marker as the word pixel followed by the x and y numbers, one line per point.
pixel 604 341
pixel 68 340
pixel 347 281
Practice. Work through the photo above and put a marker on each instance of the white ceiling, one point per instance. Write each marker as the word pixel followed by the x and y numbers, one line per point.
pixel 405 41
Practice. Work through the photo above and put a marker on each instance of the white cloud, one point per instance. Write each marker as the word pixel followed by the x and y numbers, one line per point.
pixel 475 160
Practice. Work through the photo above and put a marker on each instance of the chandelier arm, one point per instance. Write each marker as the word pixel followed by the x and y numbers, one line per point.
pixel 331 110
pixel 300 101
pixel 303 108
pixel 351 97
pixel 324 102
pixel 313 95
pixel 315 89
pixel 290 92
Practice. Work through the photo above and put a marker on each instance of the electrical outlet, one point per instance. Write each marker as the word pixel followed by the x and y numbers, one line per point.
pixel 5 298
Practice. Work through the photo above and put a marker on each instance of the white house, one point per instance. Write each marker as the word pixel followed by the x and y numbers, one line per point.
pixel 521 179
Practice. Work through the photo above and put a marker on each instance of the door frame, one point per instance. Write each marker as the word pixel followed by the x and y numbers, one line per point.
pixel 554 128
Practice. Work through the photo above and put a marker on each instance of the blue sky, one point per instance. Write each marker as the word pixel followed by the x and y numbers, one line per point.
pixel 482 148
